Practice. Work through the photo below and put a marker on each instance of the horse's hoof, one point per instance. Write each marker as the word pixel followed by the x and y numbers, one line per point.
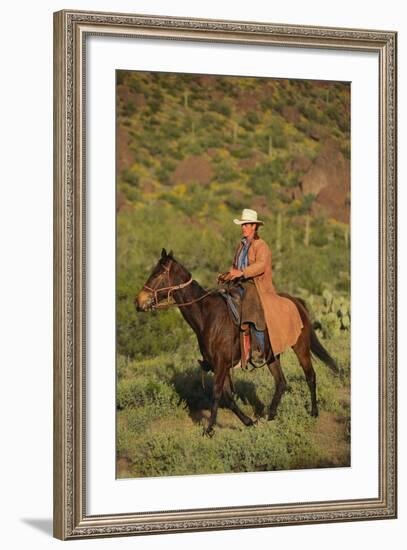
pixel 272 416
pixel 250 423
pixel 208 432
pixel 314 413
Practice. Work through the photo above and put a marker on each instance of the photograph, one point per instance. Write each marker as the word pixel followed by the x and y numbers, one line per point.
pixel 233 274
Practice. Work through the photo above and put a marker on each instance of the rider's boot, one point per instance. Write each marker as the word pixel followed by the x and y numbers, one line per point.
pixel 257 355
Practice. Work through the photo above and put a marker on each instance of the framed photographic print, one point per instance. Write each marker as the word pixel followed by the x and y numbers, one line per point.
pixel 225 274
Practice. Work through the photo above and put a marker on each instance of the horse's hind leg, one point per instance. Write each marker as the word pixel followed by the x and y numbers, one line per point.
pixel 231 403
pixel 280 386
pixel 303 353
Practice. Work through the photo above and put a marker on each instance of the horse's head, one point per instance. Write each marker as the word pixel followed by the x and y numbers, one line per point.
pixel 166 277
pixel 150 294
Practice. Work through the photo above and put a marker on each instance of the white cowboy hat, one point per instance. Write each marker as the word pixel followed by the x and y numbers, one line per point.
pixel 248 216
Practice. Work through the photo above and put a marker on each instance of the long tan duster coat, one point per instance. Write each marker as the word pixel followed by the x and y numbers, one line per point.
pixel 282 318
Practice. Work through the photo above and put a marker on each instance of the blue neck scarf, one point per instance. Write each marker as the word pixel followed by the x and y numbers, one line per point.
pixel 242 259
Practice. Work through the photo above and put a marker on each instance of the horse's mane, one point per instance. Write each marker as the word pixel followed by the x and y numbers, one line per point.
pixel 195 283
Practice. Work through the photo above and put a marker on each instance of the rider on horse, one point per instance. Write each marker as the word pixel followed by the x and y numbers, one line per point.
pixel 262 307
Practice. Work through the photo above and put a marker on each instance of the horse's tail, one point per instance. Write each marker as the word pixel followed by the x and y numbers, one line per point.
pixel 316 347
pixel 319 351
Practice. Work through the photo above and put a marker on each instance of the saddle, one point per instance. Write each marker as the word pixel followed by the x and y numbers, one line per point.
pixel 233 299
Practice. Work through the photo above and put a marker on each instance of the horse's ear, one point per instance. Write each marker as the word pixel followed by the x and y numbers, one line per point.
pixel 163 253
pixel 170 254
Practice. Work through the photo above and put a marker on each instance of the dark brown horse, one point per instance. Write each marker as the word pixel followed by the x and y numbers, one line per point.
pixel 218 336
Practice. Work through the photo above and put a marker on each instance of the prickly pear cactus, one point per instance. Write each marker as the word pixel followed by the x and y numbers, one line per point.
pixel 331 313
pixel 344 313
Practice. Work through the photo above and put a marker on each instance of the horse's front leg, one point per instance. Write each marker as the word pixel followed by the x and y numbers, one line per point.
pixel 231 403
pixel 218 384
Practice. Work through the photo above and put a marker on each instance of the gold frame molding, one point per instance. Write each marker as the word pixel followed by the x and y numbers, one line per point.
pixel 70 31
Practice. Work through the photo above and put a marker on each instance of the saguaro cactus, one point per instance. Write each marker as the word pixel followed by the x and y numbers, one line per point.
pixel 186 98
pixel 307 231
pixel 279 231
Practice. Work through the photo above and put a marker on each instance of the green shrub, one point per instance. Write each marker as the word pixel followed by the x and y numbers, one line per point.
pixel 221 107
pixel 225 171
pixel 146 391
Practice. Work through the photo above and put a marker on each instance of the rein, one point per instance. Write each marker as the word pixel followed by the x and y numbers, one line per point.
pixel 170 289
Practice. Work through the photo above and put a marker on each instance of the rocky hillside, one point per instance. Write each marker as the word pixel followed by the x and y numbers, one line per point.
pixel 200 143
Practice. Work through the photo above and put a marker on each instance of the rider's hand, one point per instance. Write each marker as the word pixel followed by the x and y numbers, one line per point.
pixel 223 277
pixel 235 273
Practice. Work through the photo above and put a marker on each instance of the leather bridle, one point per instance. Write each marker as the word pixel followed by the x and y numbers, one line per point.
pixel 170 289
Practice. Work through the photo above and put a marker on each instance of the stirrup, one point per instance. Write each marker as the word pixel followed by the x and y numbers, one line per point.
pixel 257 359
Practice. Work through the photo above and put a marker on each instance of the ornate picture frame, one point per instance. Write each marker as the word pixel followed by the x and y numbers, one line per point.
pixel 72 519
